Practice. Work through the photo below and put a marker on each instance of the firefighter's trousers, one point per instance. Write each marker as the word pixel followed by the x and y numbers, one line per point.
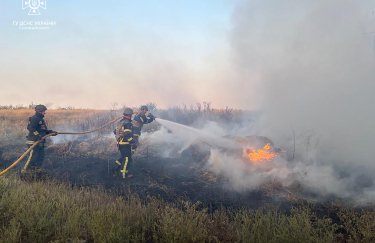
pixel 36 156
pixel 125 163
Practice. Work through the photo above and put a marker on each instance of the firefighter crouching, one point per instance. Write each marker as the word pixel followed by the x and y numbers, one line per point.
pixel 124 137
pixel 37 129
pixel 143 117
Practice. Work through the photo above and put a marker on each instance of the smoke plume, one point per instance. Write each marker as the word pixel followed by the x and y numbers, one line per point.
pixel 313 65
pixel 316 71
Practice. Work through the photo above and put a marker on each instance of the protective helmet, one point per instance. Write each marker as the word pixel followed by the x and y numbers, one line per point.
pixel 128 112
pixel 40 108
pixel 144 107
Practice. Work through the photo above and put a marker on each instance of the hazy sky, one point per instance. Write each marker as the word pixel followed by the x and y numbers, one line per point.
pixel 130 52
pixel 164 51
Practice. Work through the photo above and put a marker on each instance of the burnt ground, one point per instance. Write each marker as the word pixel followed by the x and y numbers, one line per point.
pixel 180 178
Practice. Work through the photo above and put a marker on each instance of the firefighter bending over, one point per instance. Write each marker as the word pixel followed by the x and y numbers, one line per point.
pixel 143 117
pixel 37 129
pixel 124 137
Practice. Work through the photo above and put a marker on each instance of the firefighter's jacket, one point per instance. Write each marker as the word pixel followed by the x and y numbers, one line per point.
pixel 37 128
pixel 124 133
pixel 139 120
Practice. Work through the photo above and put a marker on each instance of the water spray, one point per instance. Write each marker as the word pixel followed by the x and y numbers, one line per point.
pixel 196 134
pixel 249 150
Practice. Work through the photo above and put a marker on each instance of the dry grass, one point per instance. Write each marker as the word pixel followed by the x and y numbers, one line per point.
pixel 13 122
pixel 54 212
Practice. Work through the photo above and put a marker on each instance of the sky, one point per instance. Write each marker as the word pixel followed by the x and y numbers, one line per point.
pixel 126 52
pixel 171 53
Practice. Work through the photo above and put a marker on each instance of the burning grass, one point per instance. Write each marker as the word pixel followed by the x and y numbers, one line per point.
pixel 258 156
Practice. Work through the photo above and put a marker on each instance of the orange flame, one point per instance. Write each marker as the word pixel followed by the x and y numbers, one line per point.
pixel 257 156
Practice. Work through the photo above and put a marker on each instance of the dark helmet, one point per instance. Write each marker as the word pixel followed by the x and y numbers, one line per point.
pixel 40 108
pixel 144 107
pixel 128 112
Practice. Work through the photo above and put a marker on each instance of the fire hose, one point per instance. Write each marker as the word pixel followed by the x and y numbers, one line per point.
pixel 48 135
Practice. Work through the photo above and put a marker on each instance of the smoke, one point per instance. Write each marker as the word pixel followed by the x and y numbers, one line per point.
pixel 211 134
pixel 315 69
pixel 313 66
pixel 174 138
pixel 322 180
pixel 169 143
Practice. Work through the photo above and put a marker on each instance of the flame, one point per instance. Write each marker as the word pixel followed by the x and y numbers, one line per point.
pixel 257 156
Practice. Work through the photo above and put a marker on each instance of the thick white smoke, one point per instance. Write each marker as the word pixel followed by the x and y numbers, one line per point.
pixel 323 179
pixel 316 69
pixel 314 65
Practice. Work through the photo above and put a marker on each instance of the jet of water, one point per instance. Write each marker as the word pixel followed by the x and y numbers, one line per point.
pixel 193 134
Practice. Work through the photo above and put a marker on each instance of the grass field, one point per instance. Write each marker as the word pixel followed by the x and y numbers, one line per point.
pixel 169 203
pixel 53 212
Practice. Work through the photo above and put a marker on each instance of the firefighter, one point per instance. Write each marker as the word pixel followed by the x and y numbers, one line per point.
pixel 124 137
pixel 37 129
pixel 143 117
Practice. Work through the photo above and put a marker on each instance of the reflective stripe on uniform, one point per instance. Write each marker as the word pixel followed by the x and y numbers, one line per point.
pixel 27 162
pixel 123 142
pixel 123 171
pixel 30 142
pixel 137 135
pixel 127 130
pixel 117 162
pixel 36 133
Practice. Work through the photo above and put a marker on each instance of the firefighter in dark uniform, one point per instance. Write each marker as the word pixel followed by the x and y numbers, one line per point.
pixel 124 137
pixel 37 129
pixel 143 117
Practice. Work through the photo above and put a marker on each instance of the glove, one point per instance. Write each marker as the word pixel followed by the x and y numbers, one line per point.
pixel 134 146
pixel 52 132
pixel 151 116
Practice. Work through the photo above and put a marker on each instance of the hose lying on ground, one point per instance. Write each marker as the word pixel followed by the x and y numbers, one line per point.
pixel 48 135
